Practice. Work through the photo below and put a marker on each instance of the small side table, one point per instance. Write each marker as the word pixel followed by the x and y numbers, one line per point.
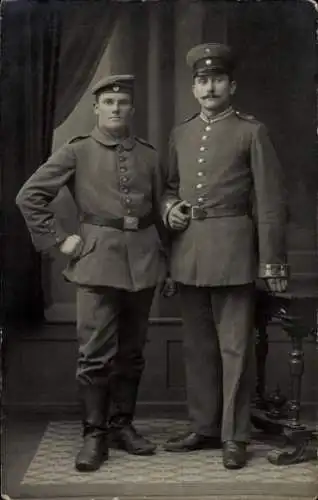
pixel 276 414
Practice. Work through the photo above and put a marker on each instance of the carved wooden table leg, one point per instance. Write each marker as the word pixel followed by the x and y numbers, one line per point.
pixel 266 410
pixel 297 435
pixel 296 369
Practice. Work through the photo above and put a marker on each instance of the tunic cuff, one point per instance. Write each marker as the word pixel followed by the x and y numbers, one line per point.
pixel 273 271
pixel 52 235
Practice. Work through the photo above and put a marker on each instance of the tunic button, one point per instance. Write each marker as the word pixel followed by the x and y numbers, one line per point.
pixel 128 200
pixel 122 158
pixel 202 148
pixel 199 186
pixel 204 137
pixel 200 199
pixel 201 160
pixel 123 169
pixel 200 174
pixel 208 128
pixel 120 148
pixel 124 179
pixel 129 211
pixel 124 189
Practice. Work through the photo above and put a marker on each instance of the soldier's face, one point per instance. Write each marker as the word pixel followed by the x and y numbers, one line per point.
pixel 213 91
pixel 114 110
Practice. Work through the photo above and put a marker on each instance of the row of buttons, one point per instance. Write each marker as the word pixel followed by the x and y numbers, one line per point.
pixel 202 197
pixel 123 179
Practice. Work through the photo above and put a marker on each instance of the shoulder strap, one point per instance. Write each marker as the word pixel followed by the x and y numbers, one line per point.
pixel 245 116
pixel 145 143
pixel 78 138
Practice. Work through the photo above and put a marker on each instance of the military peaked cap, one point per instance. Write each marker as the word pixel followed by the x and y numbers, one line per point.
pixel 115 83
pixel 209 57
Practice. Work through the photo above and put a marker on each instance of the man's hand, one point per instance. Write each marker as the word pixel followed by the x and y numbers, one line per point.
pixel 72 246
pixel 178 218
pixel 276 284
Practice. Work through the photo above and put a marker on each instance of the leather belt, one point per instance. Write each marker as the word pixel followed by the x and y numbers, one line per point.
pixel 200 213
pixel 126 223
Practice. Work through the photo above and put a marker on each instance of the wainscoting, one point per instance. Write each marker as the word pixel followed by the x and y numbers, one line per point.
pixel 40 368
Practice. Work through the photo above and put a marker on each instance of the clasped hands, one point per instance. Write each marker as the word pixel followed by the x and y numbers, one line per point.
pixel 178 216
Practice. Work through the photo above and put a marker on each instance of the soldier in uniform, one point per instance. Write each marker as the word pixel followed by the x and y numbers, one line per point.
pixel 223 168
pixel 116 261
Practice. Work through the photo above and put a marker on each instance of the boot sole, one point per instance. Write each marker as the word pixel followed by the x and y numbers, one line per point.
pixel 234 466
pixel 189 450
pixel 118 446
pixel 91 468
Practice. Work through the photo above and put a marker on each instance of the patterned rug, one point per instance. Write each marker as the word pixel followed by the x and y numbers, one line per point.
pixel 177 475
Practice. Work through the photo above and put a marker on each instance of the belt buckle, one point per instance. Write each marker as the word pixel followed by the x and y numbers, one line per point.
pixel 198 213
pixel 131 223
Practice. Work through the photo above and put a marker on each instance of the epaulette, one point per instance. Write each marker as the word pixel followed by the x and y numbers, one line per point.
pixel 245 116
pixel 145 143
pixel 78 138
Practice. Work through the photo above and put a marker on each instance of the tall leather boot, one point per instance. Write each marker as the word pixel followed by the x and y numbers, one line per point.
pixel 122 433
pixel 94 451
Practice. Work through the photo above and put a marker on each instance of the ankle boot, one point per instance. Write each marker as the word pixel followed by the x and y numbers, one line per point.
pixel 94 450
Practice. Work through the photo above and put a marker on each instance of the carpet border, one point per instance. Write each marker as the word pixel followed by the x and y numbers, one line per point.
pixel 175 490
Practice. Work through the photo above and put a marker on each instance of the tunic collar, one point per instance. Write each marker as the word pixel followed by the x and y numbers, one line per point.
pixel 109 140
pixel 227 112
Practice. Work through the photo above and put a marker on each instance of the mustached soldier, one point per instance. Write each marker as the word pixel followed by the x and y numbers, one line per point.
pixel 220 160
pixel 116 261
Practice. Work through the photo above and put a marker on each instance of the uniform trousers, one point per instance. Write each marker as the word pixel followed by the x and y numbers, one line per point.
pixel 218 353
pixel 112 329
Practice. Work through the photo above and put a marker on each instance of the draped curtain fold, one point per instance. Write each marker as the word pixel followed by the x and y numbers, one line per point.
pixel 86 28
pixel 49 54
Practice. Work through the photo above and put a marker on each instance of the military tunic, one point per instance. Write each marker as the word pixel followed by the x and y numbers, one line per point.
pixel 228 166
pixel 108 178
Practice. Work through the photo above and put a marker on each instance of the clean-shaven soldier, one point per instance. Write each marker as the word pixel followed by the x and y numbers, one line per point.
pixel 222 169
pixel 116 260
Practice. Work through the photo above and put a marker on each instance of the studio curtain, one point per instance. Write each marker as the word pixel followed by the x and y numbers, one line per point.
pixel 49 53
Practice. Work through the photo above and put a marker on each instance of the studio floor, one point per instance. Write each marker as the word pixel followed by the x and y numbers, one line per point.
pixel 38 463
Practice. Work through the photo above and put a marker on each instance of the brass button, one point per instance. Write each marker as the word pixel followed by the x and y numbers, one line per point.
pixel 208 128
pixel 200 174
pixel 199 186
pixel 201 160
pixel 124 189
pixel 124 179
pixel 128 200
pixel 200 199
pixel 204 137
pixel 123 169
pixel 202 148
pixel 121 158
